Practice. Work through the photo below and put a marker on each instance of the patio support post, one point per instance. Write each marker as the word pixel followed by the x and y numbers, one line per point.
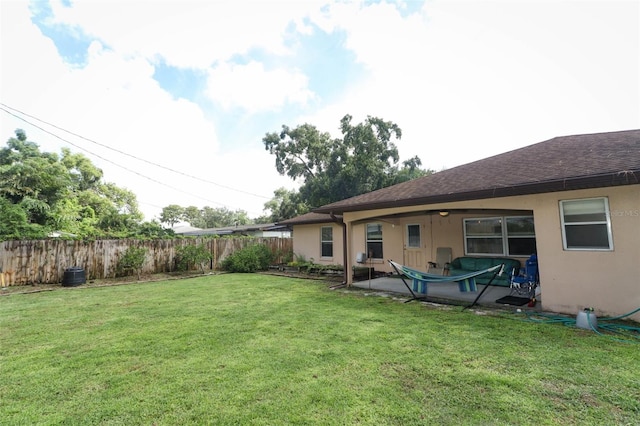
pixel 348 264
pixel 345 268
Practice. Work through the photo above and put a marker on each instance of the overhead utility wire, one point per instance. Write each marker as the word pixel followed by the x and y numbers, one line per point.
pixel 109 161
pixel 127 154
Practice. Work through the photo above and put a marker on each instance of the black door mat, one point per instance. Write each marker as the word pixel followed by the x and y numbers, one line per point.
pixel 513 300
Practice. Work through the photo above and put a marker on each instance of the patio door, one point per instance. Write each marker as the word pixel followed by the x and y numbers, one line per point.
pixel 415 255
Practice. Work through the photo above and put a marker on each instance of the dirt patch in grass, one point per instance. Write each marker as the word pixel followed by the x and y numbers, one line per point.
pixel 104 282
pixel 291 274
pixel 149 278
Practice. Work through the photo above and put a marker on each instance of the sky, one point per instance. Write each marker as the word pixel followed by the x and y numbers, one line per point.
pixel 171 99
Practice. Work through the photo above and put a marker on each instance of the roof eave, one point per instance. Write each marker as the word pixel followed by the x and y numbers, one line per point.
pixel 309 221
pixel 625 177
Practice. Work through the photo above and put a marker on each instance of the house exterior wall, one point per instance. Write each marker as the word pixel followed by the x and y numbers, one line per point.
pixel 306 242
pixel 608 281
pixel 436 231
pixel 570 280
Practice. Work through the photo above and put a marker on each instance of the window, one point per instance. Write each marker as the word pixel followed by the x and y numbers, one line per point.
pixel 413 236
pixel 374 241
pixel 326 241
pixel 521 236
pixel 483 236
pixel 507 236
pixel 586 224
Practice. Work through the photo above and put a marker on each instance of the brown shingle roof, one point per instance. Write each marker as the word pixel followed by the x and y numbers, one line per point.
pixel 309 218
pixel 559 164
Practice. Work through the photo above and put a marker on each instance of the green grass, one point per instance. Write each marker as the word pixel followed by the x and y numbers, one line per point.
pixel 249 349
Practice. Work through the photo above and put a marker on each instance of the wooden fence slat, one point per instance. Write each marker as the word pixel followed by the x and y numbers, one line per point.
pixel 44 261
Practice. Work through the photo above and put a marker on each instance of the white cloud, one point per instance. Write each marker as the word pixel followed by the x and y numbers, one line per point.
pixel 465 80
pixel 253 88
pixel 242 180
pixel 187 33
pixel 115 101
pixel 379 36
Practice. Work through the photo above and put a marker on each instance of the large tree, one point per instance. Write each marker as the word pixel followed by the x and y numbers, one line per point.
pixel 34 180
pixel 222 216
pixel 284 205
pixel 14 223
pixel 206 217
pixel 364 159
pixel 43 191
pixel 172 214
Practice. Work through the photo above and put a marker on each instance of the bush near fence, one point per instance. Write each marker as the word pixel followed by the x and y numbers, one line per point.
pixel 44 261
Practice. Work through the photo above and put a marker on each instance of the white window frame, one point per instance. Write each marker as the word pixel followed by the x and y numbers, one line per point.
pixel 323 241
pixel 409 245
pixel 606 221
pixel 367 240
pixel 503 236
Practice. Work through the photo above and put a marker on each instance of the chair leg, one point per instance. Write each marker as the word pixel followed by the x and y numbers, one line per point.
pixel 522 289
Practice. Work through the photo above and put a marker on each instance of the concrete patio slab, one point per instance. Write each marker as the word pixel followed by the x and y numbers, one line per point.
pixel 438 292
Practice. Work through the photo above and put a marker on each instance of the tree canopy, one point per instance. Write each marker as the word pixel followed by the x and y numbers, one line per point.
pixel 332 169
pixel 284 205
pixel 42 192
pixel 206 217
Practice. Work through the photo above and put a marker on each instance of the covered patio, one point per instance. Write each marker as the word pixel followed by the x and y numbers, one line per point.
pixel 446 293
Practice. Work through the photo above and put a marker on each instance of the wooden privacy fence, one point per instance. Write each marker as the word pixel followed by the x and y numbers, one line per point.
pixel 44 261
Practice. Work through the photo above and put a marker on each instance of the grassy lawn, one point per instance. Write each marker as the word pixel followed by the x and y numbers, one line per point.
pixel 254 349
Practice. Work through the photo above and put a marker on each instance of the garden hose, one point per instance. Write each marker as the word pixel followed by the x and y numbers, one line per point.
pixel 628 333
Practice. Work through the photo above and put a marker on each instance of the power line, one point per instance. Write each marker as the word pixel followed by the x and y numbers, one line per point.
pixel 120 152
pixel 107 160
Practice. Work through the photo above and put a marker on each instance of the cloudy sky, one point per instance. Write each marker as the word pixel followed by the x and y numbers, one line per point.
pixel 172 98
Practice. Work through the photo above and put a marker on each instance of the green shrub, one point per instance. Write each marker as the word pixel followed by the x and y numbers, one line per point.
pixel 284 256
pixel 193 255
pixel 256 257
pixel 132 261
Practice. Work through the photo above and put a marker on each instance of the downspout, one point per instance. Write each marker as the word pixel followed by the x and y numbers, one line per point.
pixel 345 277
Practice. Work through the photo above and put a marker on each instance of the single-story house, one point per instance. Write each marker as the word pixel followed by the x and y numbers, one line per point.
pixel 573 200
pixel 264 230
pixel 183 229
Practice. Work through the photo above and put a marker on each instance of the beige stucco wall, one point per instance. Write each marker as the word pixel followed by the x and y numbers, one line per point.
pixel 306 242
pixel 435 232
pixel 608 281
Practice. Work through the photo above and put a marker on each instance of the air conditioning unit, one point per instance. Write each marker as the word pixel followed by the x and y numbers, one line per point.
pixel 361 258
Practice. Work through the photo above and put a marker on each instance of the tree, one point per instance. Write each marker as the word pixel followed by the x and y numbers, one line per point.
pixel 222 216
pixel 171 214
pixel 153 229
pixel 121 200
pixel 410 170
pixel 32 179
pixel 284 205
pixel 193 216
pixel 364 159
pixel 73 217
pixel 63 193
pixel 14 223
pixel 84 175
pixel 207 217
